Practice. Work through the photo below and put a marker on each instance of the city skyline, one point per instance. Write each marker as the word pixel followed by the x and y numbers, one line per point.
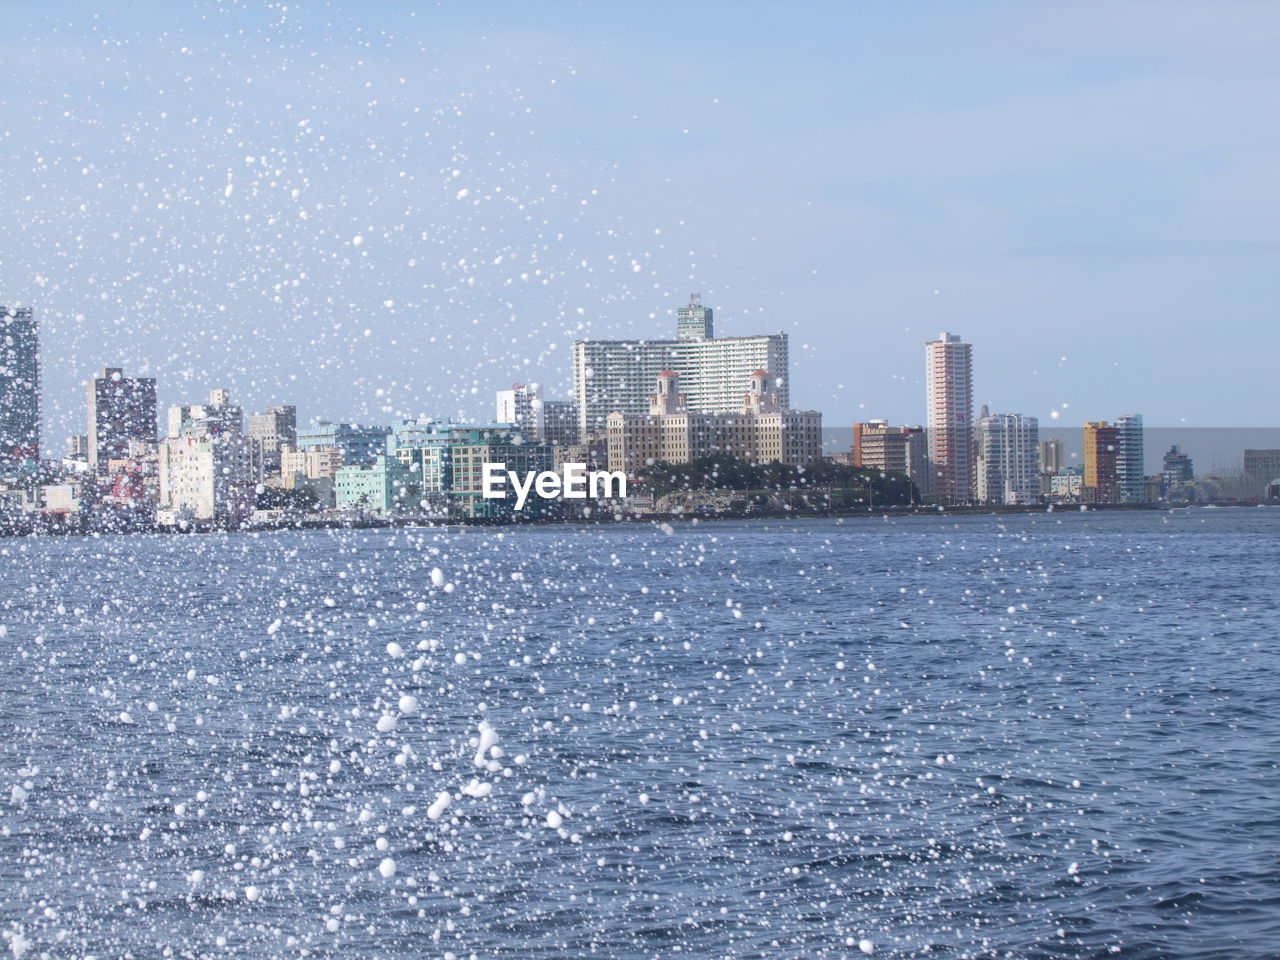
pixel 1217 448
pixel 153 168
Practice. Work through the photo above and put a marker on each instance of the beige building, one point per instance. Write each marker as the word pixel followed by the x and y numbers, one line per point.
pixel 878 445
pixel 762 432
pixel 318 463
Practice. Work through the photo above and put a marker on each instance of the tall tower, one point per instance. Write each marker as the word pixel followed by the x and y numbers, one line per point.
pixel 693 322
pixel 949 395
pixel 1130 472
pixel 1008 459
pixel 1101 477
pixel 19 385
pixel 120 409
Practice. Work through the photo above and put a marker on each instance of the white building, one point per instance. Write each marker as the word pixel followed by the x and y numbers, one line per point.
pixel 209 478
pixel 1130 468
pixel 521 406
pixel 949 398
pixel 1008 467
pixel 617 376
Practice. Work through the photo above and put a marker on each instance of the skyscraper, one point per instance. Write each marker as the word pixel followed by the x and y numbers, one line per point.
pixel 1130 466
pixel 617 376
pixel 1101 477
pixel 949 393
pixel 19 385
pixel 1008 459
pixel 120 409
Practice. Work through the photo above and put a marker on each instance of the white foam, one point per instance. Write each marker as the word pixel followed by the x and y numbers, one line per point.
pixel 438 807
pixel 488 738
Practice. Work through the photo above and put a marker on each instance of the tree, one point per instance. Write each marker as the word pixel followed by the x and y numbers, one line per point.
pixel 720 472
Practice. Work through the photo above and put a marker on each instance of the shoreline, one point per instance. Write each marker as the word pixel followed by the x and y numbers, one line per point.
pixel 603 519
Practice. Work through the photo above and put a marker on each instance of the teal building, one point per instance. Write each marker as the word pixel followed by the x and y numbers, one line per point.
pixel 384 487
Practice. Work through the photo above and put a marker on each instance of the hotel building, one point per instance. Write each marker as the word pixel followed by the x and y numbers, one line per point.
pixel 617 376
pixel 762 431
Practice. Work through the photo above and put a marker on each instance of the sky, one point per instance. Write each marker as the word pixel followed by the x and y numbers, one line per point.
pixel 374 210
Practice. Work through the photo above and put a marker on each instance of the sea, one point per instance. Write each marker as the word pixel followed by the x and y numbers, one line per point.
pixel 1050 735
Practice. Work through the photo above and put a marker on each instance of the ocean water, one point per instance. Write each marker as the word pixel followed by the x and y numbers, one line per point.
pixel 1025 736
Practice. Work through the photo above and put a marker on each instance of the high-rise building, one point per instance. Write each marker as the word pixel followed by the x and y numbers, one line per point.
pixel 760 432
pixel 891 449
pixel 275 428
pixel 1130 459
pixel 617 376
pixel 693 321
pixel 208 478
pixel 949 397
pixel 1101 477
pixel 120 409
pixel 521 406
pixel 1177 466
pixel 19 385
pixel 1008 464
pixel 1053 457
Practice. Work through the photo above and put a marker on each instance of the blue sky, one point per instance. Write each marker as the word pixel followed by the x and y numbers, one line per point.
pixel 1086 191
